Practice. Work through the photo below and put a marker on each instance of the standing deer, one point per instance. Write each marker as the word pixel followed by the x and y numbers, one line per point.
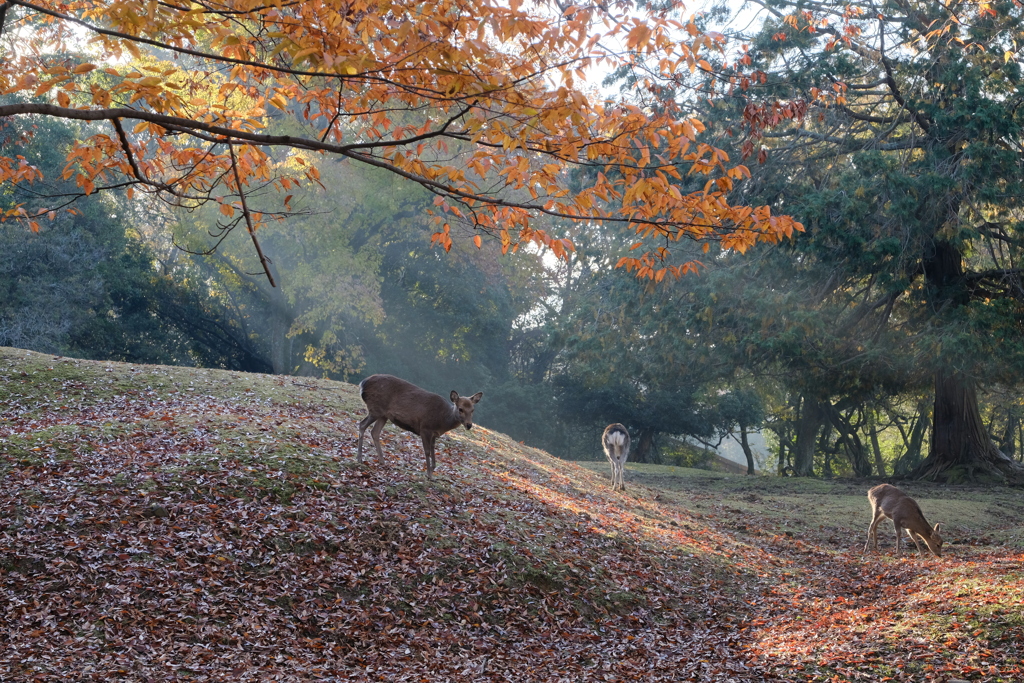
pixel 616 446
pixel 416 410
pixel 905 513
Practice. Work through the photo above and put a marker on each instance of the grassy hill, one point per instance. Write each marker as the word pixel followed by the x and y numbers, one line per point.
pixel 165 523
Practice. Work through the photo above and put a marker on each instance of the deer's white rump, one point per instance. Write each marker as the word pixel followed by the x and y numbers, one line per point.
pixel 888 501
pixel 616 447
pixel 415 410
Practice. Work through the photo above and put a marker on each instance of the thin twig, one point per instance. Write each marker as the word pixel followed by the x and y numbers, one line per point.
pixel 248 217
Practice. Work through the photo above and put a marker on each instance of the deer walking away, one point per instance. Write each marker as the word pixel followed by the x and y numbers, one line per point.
pixel 616 447
pixel 416 410
pixel 887 501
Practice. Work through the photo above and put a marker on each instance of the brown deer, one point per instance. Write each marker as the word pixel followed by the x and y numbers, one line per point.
pixel 888 501
pixel 616 447
pixel 416 410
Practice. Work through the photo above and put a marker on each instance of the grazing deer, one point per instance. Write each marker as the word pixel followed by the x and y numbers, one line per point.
pixel 905 513
pixel 413 409
pixel 616 446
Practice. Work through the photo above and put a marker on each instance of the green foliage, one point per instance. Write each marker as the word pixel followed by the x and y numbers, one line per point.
pixel 905 172
pixel 448 316
pixel 86 284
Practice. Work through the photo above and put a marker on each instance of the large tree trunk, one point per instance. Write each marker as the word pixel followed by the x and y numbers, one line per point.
pixel 645 449
pixel 961 448
pixel 745 445
pixel 811 419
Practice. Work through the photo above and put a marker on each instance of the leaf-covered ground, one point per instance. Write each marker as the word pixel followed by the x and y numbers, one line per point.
pixel 179 524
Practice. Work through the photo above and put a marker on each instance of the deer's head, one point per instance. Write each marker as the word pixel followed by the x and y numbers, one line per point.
pixel 466 406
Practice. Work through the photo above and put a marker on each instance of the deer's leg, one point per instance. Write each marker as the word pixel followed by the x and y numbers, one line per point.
pixel 363 424
pixel 899 536
pixel 375 433
pixel 913 537
pixel 873 531
pixel 428 452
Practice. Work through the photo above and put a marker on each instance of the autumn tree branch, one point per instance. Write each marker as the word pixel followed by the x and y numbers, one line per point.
pixel 373 75
pixel 171 47
pixel 222 134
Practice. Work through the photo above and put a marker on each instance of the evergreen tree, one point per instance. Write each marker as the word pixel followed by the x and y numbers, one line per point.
pixel 895 136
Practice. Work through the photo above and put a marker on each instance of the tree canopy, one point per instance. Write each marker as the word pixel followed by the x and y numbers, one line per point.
pixel 482 103
pixel 895 135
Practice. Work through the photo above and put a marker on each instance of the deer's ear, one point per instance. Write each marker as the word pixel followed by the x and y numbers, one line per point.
pixel 454 396
pixel 475 398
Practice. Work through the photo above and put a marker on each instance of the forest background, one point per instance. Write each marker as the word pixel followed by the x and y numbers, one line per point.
pixel 894 139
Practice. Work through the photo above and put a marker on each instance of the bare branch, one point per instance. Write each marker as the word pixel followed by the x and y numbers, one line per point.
pixel 248 217
pixel 890 80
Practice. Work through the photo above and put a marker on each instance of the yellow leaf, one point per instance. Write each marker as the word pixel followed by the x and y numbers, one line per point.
pixel 477 241
pixel 45 88
pixel 83 68
pixel 305 52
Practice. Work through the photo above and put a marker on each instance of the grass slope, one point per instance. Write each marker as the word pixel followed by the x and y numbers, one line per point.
pixel 178 524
